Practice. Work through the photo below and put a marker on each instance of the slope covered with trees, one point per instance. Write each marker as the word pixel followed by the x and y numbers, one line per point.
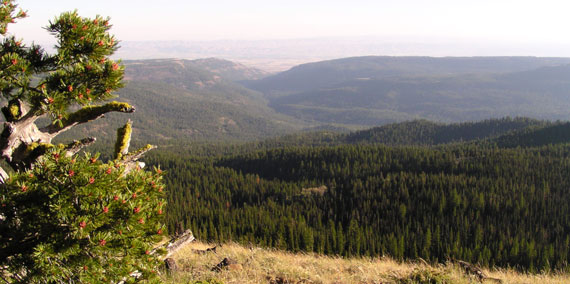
pixel 423 132
pixel 487 205
pixel 554 133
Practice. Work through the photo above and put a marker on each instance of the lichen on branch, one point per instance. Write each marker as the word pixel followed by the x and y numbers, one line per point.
pixel 86 114
pixel 123 140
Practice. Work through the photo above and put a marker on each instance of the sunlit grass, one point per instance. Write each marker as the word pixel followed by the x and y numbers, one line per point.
pixel 262 265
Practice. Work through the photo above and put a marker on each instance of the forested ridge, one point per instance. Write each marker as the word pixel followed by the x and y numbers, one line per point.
pixel 424 132
pixel 556 133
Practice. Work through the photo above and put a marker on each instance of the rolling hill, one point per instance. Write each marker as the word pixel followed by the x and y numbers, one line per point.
pixel 190 74
pixel 310 76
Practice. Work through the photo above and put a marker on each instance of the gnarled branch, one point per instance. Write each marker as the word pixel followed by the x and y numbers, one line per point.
pixel 21 133
pixel 77 145
pixel 130 159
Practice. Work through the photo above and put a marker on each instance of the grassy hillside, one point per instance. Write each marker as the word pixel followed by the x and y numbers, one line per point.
pixel 258 265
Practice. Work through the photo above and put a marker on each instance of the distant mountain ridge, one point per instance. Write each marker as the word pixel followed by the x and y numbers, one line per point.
pixel 316 75
pixel 378 90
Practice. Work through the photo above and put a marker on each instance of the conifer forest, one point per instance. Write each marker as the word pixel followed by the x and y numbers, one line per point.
pixel 479 202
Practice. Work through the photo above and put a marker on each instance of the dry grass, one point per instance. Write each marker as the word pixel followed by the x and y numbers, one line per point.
pixel 261 265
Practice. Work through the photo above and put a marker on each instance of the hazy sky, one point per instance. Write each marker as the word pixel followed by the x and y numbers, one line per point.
pixel 537 22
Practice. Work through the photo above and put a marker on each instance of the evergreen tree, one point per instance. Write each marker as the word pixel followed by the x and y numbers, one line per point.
pixel 65 217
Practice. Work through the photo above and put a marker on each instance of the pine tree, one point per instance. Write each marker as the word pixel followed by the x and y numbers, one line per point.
pixel 64 216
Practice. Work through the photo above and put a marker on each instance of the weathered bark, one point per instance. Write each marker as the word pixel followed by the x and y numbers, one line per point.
pixel 471 269
pixel 179 242
pixel 22 142
pixel 19 134
pixel 174 245
pixel 227 263
pixel 130 160
pixel 204 251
